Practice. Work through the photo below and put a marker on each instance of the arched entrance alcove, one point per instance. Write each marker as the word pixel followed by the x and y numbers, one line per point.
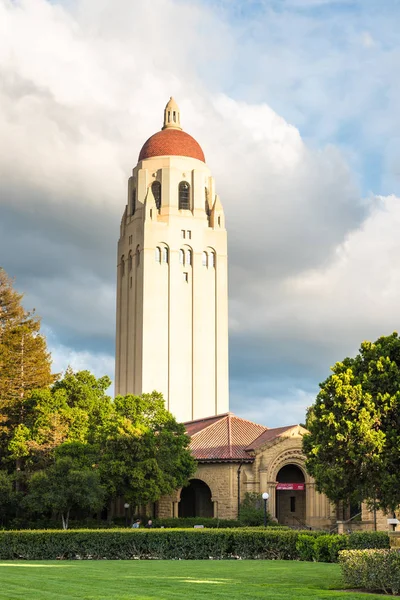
pixel 196 500
pixel 291 496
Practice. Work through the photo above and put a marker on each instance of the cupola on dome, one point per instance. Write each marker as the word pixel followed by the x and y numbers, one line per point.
pixel 171 140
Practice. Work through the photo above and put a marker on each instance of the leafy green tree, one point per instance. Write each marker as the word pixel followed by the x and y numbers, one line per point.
pixel 8 497
pixel 252 510
pixel 144 452
pixel 70 411
pixel 25 363
pixel 65 486
pixel 353 448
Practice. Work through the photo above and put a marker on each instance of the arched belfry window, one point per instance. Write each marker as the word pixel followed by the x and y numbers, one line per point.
pixel 212 259
pixel 137 256
pixel 184 195
pixel 181 257
pixel 156 189
pixel 130 261
pixel 204 259
pixel 158 254
pixel 122 266
pixel 133 201
pixel 165 254
pixel 188 260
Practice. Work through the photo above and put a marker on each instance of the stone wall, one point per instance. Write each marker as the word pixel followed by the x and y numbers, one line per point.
pixel 312 508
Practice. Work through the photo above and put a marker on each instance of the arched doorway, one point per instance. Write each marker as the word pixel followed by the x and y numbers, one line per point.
pixel 291 496
pixel 196 500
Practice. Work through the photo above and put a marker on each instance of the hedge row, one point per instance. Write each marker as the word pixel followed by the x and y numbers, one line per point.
pixel 251 543
pixel 190 522
pixel 326 548
pixel 119 522
pixel 371 570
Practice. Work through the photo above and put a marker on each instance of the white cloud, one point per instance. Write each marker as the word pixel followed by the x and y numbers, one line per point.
pixel 98 364
pixel 313 267
pixel 367 40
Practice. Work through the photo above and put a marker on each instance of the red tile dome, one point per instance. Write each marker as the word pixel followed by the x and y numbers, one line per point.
pixel 171 142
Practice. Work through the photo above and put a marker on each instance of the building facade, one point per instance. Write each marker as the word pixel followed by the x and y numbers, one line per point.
pixel 172 294
pixel 236 456
pixel 172 337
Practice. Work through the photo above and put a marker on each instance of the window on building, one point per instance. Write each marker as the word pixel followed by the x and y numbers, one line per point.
pixel 130 282
pixel 184 195
pixel 165 254
pixel 130 261
pixel 204 259
pixel 183 234
pixel 206 202
pixel 185 277
pixel 292 503
pixel 181 257
pixel 158 254
pixel 133 201
pixel 188 260
pixel 219 221
pixel 189 234
pixel 156 189
pixel 212 259
pixel 137 256
pixel 122 266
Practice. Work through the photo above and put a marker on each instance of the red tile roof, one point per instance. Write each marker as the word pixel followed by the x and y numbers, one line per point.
pixel 268 436
pixel 223 438
pixel 171 142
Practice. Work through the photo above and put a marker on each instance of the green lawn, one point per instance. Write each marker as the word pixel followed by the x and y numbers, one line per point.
pixel 156 580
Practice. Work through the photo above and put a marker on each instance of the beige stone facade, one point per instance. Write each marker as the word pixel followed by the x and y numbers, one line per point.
pixel 172 291
pixel 172 336
pixel 269 461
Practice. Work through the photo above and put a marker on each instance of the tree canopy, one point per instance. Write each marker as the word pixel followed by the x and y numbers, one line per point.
pixel 353 445
pixel 64 443
pixel 25 363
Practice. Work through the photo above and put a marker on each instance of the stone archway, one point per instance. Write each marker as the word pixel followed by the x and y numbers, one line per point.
pixel 196 500
pixel 291 496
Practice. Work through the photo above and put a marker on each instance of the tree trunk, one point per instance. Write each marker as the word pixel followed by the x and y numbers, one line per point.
pixel 17 469
pixel 65 519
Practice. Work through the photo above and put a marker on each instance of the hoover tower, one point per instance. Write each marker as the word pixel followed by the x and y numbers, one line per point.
pixel 172 293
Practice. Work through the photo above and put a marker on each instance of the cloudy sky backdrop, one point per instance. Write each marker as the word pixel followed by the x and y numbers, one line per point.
pixel 295 103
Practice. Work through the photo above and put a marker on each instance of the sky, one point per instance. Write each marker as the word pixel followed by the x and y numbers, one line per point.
pixel 295 104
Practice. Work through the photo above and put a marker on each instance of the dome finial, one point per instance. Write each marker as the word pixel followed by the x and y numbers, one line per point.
pixel 172 115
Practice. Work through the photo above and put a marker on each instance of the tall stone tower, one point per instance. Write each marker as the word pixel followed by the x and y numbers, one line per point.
pixel 172 294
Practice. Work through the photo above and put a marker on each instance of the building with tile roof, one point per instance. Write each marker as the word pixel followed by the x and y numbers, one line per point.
pixel 236 456
pixel 172 336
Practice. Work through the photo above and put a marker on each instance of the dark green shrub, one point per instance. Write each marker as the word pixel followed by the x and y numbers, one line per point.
pixel 368 539
pixel 154 543
pixel 251 511
pixel 305 547
pixel 250 543
pixel 372 570
pixel 322 547
pixel 190 522
pixel 327 547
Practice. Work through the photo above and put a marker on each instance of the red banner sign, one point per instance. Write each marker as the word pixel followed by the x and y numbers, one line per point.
pixel 290 486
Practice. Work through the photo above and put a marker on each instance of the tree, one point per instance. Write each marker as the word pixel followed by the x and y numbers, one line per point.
pixel 25 363
pixel 8 497
pixel 70 411
pixel 66 485
pixel 252 510
pixel 353 448
pixel 144 453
